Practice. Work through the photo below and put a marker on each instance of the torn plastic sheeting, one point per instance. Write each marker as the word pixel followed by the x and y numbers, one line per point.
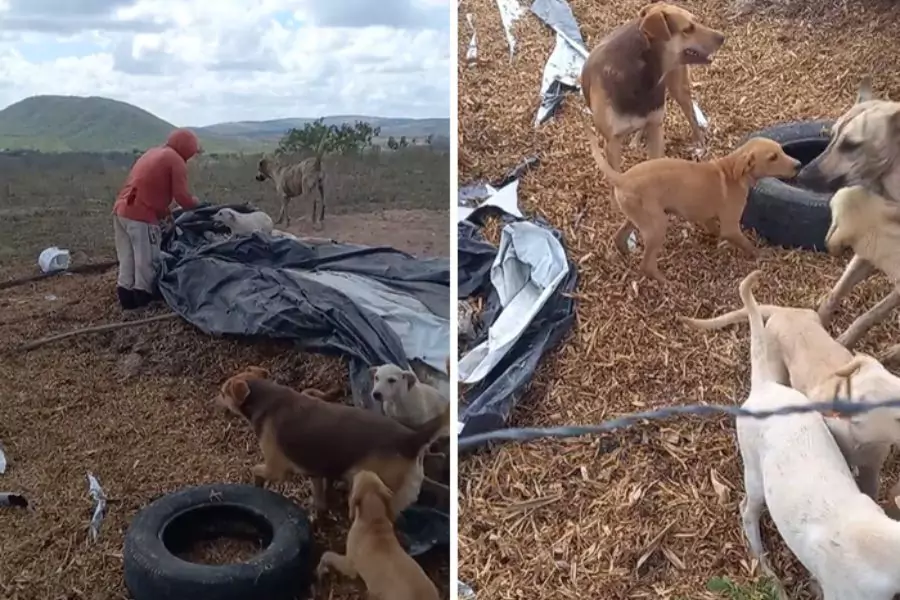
pixel 472 50
pixel 2 462
pixel 13 500
pixel 510 12
pixel 99 497
pixel 506 199
pixel 280 287
pixel 563 67
pixel 487 405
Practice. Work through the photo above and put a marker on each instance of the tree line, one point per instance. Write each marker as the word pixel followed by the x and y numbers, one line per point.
pixel 339 139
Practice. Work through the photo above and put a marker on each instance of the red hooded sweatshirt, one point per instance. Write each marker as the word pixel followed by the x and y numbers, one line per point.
pixel 158 177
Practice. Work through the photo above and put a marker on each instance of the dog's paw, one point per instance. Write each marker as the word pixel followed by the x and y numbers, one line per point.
pixel 321 569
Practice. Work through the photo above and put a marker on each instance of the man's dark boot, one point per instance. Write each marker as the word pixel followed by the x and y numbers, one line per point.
pixel 126 298
pixel 142 298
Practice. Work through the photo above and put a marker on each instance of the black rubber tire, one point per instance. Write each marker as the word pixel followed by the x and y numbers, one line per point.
pixel 281 571
pixel 780 213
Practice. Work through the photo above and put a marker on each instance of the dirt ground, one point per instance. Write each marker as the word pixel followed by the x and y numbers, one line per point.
pixel 418 232
pixel 650 512
pixel 135 407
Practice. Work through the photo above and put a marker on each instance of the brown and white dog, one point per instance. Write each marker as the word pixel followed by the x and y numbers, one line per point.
pixel 625 77
pixel 373 552
pixel 294 180
pixel 304 432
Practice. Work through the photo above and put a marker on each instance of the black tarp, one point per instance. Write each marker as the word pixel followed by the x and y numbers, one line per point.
pixel 250 286
pixel 489 403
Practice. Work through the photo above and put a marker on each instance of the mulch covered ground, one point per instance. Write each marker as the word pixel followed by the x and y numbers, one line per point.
pixel 134 407
pixel 651 512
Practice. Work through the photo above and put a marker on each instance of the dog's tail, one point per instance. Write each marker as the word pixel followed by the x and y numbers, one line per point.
pixel 429 431
pixel 600 158
pixel 330 396
pixel 760 369
pixel 730 318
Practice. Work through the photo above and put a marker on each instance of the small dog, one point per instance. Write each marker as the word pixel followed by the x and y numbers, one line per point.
pixel 805 356
pixel 712 194
pixel 793 466
pixel 294 180
pixel 403 397
pixel 625 77
pixel 870 225
pixel 373 552
pixel 244 223
pixel 864 149
pixel 305 432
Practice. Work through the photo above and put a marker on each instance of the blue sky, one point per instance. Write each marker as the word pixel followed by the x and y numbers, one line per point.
pixel 246 60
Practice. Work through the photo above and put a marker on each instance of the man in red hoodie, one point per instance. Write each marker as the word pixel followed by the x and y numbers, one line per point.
pixel 158 177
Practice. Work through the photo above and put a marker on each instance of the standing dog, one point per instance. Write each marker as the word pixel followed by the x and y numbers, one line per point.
pixel 303 432
pixel 870 225
pixel 403 397
pixel 864 149
pixel 294 180
pixel 712 194
pixel 373 552
pixel 625 77
pixel 793 466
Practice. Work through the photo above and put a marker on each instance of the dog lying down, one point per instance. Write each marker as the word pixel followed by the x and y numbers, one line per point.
pixel 805 356
pixel 870 225
pixel 244 223
pixel 329 441
pixel 712 194
pixel 373 552
pixel 793 466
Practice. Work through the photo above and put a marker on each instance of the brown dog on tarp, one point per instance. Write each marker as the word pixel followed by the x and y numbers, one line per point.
pixel 305 432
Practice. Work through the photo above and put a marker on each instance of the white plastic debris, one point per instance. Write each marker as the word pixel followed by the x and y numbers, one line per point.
pixel 2 462
pixel 506 199
pixel 702 121
pixel 510 11
pixel 631 242
pixel 53 259
pixel 463 591
pixel 472 50
pixel 99 497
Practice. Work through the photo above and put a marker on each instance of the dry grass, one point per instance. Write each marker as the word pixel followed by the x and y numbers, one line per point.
pixel 134 407
pixel 650 512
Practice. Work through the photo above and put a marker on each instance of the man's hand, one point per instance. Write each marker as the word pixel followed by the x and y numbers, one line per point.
pixel 167 224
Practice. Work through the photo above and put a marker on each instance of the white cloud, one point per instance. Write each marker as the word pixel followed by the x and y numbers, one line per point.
pixel 195 63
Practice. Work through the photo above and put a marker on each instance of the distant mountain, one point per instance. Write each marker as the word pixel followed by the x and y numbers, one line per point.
pixel 93 124
pixel 273 130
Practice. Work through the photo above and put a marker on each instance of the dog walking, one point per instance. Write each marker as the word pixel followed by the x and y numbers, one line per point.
pixel 158 177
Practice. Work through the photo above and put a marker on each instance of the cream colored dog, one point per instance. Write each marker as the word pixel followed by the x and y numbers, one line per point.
pixel 870 225
pixel 805 356
pixel 373 552
pixel 244 223
pixel 793 466
pixel 403 397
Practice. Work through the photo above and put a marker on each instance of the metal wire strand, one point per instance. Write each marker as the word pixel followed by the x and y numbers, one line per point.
pixel 525 434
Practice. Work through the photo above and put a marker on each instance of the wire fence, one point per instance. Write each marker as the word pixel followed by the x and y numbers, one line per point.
pixel 525 434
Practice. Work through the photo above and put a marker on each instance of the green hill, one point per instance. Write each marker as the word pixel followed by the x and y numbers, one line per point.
pixel 78 124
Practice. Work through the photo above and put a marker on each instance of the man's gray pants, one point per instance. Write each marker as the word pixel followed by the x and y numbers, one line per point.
pixel 137 248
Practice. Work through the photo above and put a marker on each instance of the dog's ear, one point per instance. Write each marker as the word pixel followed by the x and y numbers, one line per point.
pixel 410 378
pixel 865 90
pixel 237 389
pixel 656 27
pixel 646 8
pixel 747 163
pixel 372 371
pixel 259 372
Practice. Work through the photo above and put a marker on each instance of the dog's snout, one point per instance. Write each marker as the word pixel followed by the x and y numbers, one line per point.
pixel 260 177
pixel 377 395
pixel 718 38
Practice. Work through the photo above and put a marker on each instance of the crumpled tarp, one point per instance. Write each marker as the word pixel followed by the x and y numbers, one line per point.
pixel 489 402
pixel 372 304
pixel 563 67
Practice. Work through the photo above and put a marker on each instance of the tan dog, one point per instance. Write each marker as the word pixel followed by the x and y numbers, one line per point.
pixel 403 397
pixel 373 552
pixel 870 225
pixel 294 180
pixel 304 432
pixel 864 148
pixel 806 357
pixel 712 194
pixel 625 77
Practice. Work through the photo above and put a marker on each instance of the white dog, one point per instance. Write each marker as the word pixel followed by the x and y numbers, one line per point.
pixel 793 466
pixel 870 225
pixel 244 223
pixel 404 397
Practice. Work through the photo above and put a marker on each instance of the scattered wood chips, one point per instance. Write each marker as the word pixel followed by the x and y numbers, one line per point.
pixel 651 512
